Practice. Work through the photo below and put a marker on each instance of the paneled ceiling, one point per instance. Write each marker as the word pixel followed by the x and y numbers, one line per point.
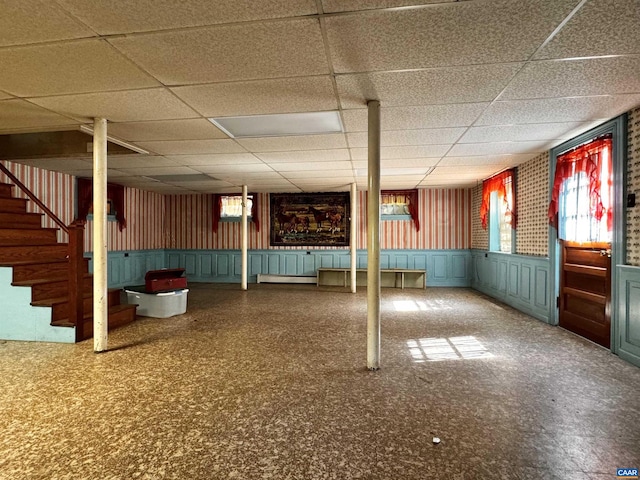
pixel 467 88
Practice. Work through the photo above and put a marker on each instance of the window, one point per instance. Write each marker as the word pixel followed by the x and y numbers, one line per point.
pixel 498 211
pixel 228 208
pixel 400 205
pixel 582 192
pixel 231 206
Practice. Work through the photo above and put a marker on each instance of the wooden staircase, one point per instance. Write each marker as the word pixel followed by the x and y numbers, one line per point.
pixel 56 272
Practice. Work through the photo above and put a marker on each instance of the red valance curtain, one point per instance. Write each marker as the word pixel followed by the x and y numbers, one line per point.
pixel 590 159
pixel 115 193
pixel 217 208
pixel 412 198
pixel 503 184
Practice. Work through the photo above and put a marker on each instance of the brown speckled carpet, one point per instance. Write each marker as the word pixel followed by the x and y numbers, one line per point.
pixel 271 384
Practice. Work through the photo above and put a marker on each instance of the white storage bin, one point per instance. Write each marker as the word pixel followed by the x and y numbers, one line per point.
pixel 159 305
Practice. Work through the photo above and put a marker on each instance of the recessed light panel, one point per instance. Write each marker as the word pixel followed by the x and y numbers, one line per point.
pixel 280 125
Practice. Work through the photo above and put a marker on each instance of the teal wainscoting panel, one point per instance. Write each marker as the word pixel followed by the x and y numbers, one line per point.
pixel 206 265
pixel 445 268
pixel 125 268
pixel 439 268
pixel 525 283
pixel 190 261
pixel 628 313
pixel 173 260
pixel 513 282
pixel 520 281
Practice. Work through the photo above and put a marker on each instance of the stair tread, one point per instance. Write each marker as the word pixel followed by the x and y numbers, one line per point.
pixel 47 302
pixel 40 281
pixel 33 262
pixel 64 322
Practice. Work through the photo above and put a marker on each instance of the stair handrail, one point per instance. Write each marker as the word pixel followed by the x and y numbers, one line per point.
pixel 32 196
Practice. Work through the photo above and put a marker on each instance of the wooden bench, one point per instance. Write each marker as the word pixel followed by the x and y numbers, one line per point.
pixel 271 278
pixel 389 277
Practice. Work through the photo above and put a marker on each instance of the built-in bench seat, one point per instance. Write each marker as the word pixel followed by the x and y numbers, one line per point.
pixel 271 278
pixel 389 277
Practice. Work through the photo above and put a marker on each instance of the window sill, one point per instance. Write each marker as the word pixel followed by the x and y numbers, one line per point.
pixel 110 218
pixel 234 219
pixel 395 217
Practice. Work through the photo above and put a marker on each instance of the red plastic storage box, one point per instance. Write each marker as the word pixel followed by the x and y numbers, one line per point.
pixel 165 280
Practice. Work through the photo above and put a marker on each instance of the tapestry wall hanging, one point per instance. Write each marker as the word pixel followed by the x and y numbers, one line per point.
pixel 309 219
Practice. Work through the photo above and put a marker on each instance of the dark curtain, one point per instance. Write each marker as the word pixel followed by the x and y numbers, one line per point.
pixel 115 193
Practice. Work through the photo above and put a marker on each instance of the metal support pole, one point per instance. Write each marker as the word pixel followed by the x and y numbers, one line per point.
pixel 100 305
pixel 354 236
pixel 244 237
pixel 373 238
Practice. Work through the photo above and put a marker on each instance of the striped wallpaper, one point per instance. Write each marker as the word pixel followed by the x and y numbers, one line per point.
pixel 55 190
pixel 144 212
pixel 445 222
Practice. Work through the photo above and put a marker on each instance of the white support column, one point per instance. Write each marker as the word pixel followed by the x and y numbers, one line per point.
pixel 373 238
pixel 244 237
pixel 354 236
pixel 100 305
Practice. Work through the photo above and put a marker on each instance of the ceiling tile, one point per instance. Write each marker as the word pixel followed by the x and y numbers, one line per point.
pixel 477 83
pixel 254 176
pixel 460 33
pixel 218 170
pixel 483 160
pixel 519 133
pixel 125 106
pixel 191 129
pixel 480 171
pixel 284 95
pixel 266 50
pixel 151 171
pixel 398 162
pixel 308 166
pixel 393 138
pixel 313 173
pixel 304 142
pixel 33 21
pixel 16 114
pixel 214 159
pixel 119 16
pixel 175 147
pixel 386 153
pixel 499 148
pixel 136 161
pixel 567 78
pixel 576 109
pixel 305 156
pixel 353 5
pixel 429 116
pixel 334 180
pixel 70 67
pixel 599 28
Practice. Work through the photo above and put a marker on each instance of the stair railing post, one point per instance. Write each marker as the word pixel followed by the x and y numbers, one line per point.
pixel 76 277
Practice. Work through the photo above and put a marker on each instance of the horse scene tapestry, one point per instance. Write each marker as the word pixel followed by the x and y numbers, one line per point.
pixel 310 219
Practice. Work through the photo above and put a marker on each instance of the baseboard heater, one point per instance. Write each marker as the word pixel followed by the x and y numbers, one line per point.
pixel 270 278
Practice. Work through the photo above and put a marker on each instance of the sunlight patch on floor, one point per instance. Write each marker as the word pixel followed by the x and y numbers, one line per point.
pixel 452 348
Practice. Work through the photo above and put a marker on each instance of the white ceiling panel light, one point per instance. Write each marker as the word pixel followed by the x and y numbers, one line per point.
pixel 280 125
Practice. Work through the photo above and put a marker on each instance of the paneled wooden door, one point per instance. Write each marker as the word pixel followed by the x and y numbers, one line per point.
pixel 585 290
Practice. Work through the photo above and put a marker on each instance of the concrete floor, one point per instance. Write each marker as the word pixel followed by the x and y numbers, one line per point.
pixel 271 384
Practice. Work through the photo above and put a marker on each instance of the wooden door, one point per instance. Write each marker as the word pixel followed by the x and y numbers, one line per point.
pixel 585 290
